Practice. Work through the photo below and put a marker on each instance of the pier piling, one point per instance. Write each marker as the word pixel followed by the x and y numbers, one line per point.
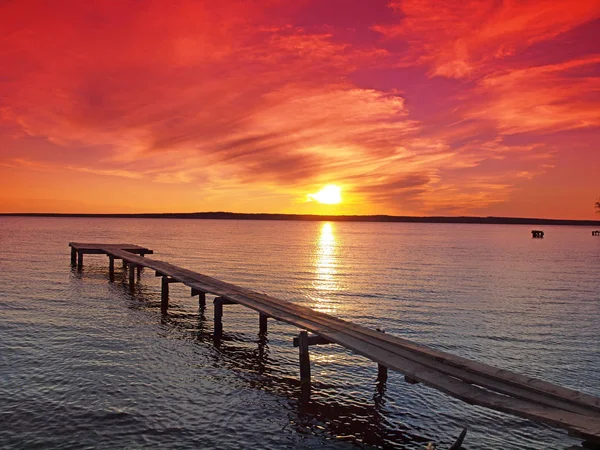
pixel 218 315
pixel 73 256
pixel 111 268
pixel 262 320
pixel 382 371
pixel 131 278
pixel 201 297
pixel 164 294
pixel 304 357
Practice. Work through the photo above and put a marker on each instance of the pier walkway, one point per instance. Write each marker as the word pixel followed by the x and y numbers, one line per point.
pixel 473 382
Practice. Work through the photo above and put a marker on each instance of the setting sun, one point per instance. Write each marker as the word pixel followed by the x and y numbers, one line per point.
pixel 329 195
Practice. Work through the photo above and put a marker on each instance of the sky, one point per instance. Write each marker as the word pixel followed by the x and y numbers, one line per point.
pixel 409 107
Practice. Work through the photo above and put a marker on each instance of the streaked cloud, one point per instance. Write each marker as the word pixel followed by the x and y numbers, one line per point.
pixel 276 99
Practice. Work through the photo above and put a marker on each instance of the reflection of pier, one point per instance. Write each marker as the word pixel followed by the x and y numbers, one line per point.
pixel 537 233
pixel 470 381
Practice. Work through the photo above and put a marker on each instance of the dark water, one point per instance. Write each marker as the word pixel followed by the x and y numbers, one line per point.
pixel 85 364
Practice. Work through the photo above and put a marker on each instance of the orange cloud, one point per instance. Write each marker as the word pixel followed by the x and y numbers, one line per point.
pixel 250 105
pixel 460 38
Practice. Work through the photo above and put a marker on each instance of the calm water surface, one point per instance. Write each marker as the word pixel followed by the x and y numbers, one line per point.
pixel 85 364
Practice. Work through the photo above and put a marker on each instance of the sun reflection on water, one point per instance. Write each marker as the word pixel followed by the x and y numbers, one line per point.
pixel 325 261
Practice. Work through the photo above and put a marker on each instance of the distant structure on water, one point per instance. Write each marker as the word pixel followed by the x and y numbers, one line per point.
pixel 596 233
pixel 537 233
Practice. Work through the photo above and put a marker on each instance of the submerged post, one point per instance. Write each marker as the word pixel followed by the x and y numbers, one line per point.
pixel 382 371
pixel 304 358
pixel 201 297
pixel 131 278
pixel 73 256
pixel 79 260
pixel 218 316
pixel 262 323
pixel 164 294
pixel 111 268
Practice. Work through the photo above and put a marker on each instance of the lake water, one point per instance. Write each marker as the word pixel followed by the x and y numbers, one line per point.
pixel 85 364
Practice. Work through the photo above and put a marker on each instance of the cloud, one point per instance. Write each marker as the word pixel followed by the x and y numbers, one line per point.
pixel 461 38
pixel 242 96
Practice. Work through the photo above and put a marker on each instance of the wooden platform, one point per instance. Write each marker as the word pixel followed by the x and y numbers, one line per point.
pixel 473 382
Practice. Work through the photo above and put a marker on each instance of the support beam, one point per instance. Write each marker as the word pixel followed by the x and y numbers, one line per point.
pixel 124 264
pixel 304 358
pixel 111 268
pixel 313 339
pixel 131 278
pixel 79 260
pixel 164 295
pixel 262 323
pixel 73 256
pixel 410 380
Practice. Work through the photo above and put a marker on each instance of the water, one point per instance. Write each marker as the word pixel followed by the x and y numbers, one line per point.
pixel 85 364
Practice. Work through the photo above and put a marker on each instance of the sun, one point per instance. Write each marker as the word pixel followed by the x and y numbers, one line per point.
pixel 329 195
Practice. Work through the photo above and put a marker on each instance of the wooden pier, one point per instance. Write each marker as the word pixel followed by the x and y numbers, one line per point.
pixel 473 382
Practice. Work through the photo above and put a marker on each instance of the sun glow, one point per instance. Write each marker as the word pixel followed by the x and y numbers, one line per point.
pixel 329 195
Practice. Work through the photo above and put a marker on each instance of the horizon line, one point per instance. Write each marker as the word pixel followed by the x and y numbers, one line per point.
pixel 225 215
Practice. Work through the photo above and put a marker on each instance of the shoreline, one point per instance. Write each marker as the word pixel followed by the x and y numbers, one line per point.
pixel 220 215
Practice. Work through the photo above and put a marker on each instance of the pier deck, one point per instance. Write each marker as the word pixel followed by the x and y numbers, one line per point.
pixel 473 382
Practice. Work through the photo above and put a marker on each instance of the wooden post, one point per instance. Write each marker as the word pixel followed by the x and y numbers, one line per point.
pixel 304 358
pixel 218 302
pixel 131 278
pixel 111 268
pixel 73 256
pixel 164 295
pixel 201 297
pixel 382 371
pixel 262 323
pixel 124 264
pixel 79 260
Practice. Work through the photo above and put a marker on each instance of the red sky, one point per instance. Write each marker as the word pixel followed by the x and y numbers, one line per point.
pixel 410 106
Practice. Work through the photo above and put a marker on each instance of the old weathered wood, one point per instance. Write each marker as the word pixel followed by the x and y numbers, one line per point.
pixel 131 278
pixel 218 314
pixel 111 268
pixel 470 381
pixel 382 370
pixel 79 260
pixel 304 357
pixel 262 323
pixel 410 380
pixel 164 294
pixel 201 297
pixel 73 256
pixel 312 340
